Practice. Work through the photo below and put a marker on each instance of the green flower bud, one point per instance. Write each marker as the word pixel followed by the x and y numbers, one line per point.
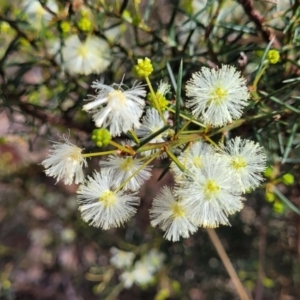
pixel 273 56
pixel 270 197
pixel 144 67
pixel 288 179
pixel 278 207
pixel 101 137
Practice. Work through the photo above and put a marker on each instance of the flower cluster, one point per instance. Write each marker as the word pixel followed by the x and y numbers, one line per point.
pixel 210 178
pixel 218 96
pixel 210 189
pixel 85 57
pixel 140 272
pixel 122 110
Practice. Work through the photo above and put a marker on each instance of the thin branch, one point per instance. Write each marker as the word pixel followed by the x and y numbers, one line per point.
pixel 258 20
pixel 227 264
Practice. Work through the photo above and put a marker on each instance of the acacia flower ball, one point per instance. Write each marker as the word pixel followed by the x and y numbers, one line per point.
pixel 151 123
pixel 210 193
pixel 217 96
pixel 121 259
pixel 159 98
pixel 246 161
pixel 102 205
pixel 37 15
pixel 192 157
pixel 125 168
pixel 65 162
pixel 171 215
pixel 118 109
pixel 85 57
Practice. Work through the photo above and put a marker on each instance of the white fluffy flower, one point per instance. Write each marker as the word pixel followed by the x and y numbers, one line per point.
pixel 246 161
pixel 125 167
pixel 127 278
pixel 171 215
pixel 84 57
pixel 218 96
pixel 210 193
pixel 154 259
pixel 65 162
pixel 122 109
pixel 37 14
pixel 143 270
pixel 102 205
pixel 143 273
pixel 151 123
pixel 192 157
pixel 121 259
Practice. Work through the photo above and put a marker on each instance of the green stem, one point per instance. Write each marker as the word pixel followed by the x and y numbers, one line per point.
pixel 152 157
pixel 257 78
pixel 210 141
pixel 136 139
pixel 155 100
pixel 176 161
pixel 99 153
pixel 120 147
pixel 184 126
pixel 186 117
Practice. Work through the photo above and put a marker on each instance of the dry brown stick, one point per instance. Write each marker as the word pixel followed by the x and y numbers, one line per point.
pixel 258 20
pixel 47 118
pixel 227 264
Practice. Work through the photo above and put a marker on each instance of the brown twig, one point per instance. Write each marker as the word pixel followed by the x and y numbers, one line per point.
pixel 258 20
pixel 227 264
pixel 38 113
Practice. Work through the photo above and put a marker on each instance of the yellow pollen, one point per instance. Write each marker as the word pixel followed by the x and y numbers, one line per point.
pixel 126 164
pixel 40 11
pixel 108 198
pixel 197 161
pixel 117 96
pixel 178 210
pixel 210 189
pixel 218 95
pixel 238 162
pixel 76 156
pixel 82 50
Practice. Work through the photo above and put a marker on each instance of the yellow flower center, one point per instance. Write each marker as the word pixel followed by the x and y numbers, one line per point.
pixel 197 161
pixel 238 162
pixel 218 95
pixel 40 11
pixel 117 99
pixel 211 188
pixel 126 164
pixel 82 50
pixel 178 210
pixel 75 156
pixel 108 198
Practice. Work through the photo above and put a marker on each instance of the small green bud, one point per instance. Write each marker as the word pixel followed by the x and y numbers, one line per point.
pixel 65 26
pixel 288 179
pixel 161 100
pixel 101 137
pixel 144 67
pixel 268 172
pixel 273 56
pixel 268 283
pixel 278 207
pixel 85 24
pixel 162 294
pixel 270 197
